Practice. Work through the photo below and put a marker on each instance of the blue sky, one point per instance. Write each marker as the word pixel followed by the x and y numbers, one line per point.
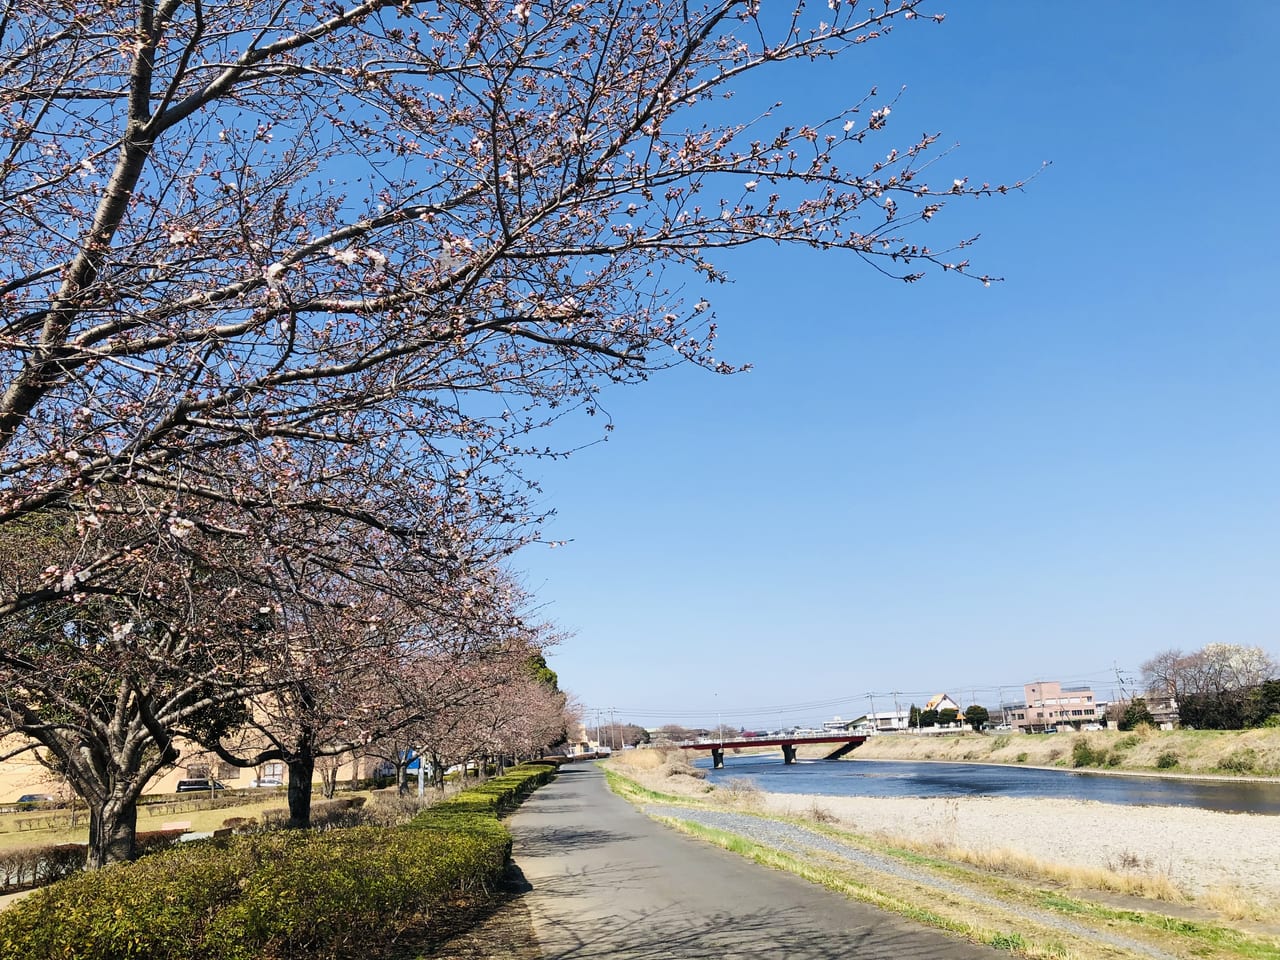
pixel 945 487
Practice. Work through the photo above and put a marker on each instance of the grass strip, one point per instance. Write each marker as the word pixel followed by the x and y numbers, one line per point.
pixel 1236 942
pixel 631 790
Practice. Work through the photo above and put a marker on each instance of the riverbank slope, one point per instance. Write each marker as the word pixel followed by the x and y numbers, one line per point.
pixel 1233 753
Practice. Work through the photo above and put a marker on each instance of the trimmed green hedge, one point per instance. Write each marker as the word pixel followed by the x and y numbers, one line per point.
pixel 342 893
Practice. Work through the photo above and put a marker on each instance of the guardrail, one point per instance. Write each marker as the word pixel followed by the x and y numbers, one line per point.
pixel 202 801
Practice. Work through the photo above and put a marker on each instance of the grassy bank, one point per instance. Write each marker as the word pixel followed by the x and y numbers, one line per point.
pixel 1232 753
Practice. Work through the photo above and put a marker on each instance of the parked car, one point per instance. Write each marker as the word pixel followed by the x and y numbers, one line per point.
pixel 199 785
pixel 267 782
pixel 29 801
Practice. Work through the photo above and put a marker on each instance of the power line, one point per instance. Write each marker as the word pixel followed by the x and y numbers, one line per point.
pixel 704 714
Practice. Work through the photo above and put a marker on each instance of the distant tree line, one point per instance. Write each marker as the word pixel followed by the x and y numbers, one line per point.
pixel 1221 686
pixel 974 715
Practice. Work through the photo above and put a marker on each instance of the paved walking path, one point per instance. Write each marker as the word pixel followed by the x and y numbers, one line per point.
pixel 9 898
pixel 607 882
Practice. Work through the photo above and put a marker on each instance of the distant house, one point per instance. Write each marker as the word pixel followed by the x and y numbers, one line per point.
pixel 1051 706
pixel 888 721
pixel 1164 711
pixel 940 702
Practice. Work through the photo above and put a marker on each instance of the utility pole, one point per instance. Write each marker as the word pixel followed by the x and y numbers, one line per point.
pixel 875 723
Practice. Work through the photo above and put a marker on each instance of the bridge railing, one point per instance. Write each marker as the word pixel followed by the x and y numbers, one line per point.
pixel 768 737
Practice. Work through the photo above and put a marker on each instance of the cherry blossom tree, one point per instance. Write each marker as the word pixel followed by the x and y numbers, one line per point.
pixel 201 639
pixel 97 686
pixel 400 235
pixel 532 718
pixel 281 278
pixel 500 709
pixel 354 662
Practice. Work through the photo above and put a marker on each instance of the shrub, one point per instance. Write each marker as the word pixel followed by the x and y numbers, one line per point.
pixel 390 809
pixel 739 791
pixel 1021 758
pixel 1083 755
pixel 676 763
pixel 1167 760
pixel 1000 742
pixel 1243 760
pixel 1135 716
pixel 338 893
pixel 153 841
pixel 337 814
pixel 274 818
pixel 820 814
pixel 26 867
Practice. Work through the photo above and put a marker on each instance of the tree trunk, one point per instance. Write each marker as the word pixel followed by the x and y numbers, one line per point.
pixel 329 782
pixel 112 827
pixel 301 770
pixel 402 777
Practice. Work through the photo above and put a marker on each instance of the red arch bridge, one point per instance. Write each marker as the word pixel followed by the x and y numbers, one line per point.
pixel 788 743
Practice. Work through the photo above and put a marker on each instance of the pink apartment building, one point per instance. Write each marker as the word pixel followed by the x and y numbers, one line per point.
pixel 1050 705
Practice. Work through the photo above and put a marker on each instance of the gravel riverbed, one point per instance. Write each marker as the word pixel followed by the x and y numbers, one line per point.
pixel 1198 850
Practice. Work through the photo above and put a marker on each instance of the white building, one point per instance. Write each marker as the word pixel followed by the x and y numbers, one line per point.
pixel 888 721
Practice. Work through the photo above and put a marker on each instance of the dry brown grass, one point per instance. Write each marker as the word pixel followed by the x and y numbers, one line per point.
pixel 1235 904
pixel 1133 877
pixel 739 793
pixel 820 814
pixel 666 771
pixel 1129 875
pixel 639 760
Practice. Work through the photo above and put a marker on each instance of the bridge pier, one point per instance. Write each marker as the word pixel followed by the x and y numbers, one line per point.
pixel 788 753
pixel 717 758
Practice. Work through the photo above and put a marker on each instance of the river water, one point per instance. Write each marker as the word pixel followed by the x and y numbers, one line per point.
pixel 886 778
